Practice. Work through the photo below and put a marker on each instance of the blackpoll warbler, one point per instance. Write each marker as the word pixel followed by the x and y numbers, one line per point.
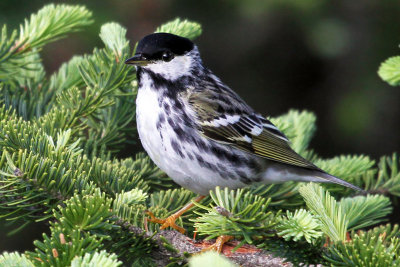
pixel 200 132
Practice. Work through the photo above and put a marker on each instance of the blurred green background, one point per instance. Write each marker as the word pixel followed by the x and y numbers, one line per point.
pixel 278 54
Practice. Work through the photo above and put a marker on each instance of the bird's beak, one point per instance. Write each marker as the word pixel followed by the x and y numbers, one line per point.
pixel 137 60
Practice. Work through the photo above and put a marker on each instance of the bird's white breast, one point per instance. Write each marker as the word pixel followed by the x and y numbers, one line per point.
pixel 155 141
pixel 147 112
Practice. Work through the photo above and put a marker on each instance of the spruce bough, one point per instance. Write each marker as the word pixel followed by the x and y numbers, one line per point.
pixel 62 137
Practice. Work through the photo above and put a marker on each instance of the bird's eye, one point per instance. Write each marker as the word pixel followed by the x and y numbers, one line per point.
pixel 167 56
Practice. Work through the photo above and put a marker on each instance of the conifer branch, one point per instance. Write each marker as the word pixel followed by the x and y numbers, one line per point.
pixel 235 213
pixel 101 258
pixel 298 225
pixel 364 211
pixel 184 28
pixel 334 222
pixel 14 259
pixel 50 23
pixel 376 247
pixel 387 179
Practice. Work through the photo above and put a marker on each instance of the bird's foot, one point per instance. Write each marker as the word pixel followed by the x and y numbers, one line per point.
pixel 167 222
pixel 219 243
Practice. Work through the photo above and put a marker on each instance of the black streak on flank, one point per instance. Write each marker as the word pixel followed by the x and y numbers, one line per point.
pixel 200 160
pixel 160 101
pixel 255 166
pixel 186 119
pixel 204 163
pixel 171 122
pixel 243 177
pixel 160 122
pixel 226 155
pixel 180 133
pixel 256 179
pixel 234 159
pixel 222 171
pixel 178 105
pixel 201 145
pixel 167 108
pixel 177 148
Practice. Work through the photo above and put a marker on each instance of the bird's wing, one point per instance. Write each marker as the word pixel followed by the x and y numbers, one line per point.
pixel 225 118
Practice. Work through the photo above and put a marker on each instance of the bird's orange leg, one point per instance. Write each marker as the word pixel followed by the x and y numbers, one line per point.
pixel 219 243
pixel 170 221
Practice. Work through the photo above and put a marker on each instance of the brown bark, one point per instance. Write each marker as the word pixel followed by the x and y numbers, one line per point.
pixel 246 256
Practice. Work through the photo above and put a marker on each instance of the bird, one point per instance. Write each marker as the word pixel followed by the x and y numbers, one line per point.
pixel 201 133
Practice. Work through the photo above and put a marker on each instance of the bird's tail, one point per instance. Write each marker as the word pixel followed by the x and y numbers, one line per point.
pixel 278 173
pixel 326 177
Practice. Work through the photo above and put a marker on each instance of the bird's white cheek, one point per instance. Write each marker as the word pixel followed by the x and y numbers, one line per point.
pixel 176 68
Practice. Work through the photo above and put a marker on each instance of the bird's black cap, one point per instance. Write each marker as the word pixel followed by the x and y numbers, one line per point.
pixel 156 43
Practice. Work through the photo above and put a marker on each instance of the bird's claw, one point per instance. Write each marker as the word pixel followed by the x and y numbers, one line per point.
pixel 219 243
pixel 167 222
